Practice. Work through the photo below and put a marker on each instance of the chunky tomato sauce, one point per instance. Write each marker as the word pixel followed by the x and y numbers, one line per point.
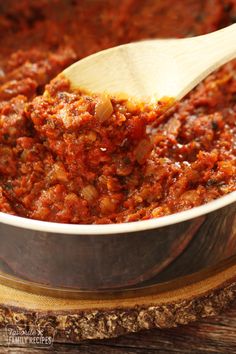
pixel 70 157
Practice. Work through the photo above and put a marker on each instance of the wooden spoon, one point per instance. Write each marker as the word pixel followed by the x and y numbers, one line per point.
pixel 154 68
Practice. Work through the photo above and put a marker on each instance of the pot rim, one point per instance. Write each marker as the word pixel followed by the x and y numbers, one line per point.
pixel 107 229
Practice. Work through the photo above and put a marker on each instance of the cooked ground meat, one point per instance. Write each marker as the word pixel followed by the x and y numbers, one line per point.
pixel 71 157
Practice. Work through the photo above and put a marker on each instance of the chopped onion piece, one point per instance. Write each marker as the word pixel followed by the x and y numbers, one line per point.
pixel 142 150
pixel 107 205
pixel 58 173
pixel 104 108
pixel 89 193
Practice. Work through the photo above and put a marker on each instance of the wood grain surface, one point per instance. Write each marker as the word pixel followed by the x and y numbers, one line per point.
pixel 214 335
pixel 212 292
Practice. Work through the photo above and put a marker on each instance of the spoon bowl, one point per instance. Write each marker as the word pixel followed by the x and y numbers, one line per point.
pixel 154 68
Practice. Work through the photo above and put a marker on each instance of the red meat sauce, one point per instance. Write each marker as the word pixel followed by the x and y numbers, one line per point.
pixel 67 156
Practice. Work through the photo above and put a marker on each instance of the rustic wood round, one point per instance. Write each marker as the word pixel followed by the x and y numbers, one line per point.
pixel 105 314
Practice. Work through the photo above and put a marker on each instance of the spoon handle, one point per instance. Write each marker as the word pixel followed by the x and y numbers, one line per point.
pixel 203 54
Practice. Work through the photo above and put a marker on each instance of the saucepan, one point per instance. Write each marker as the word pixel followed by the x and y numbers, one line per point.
pixel 63 257
pixel 117 256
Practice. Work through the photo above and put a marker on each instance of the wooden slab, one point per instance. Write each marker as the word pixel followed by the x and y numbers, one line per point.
pixel 78 316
